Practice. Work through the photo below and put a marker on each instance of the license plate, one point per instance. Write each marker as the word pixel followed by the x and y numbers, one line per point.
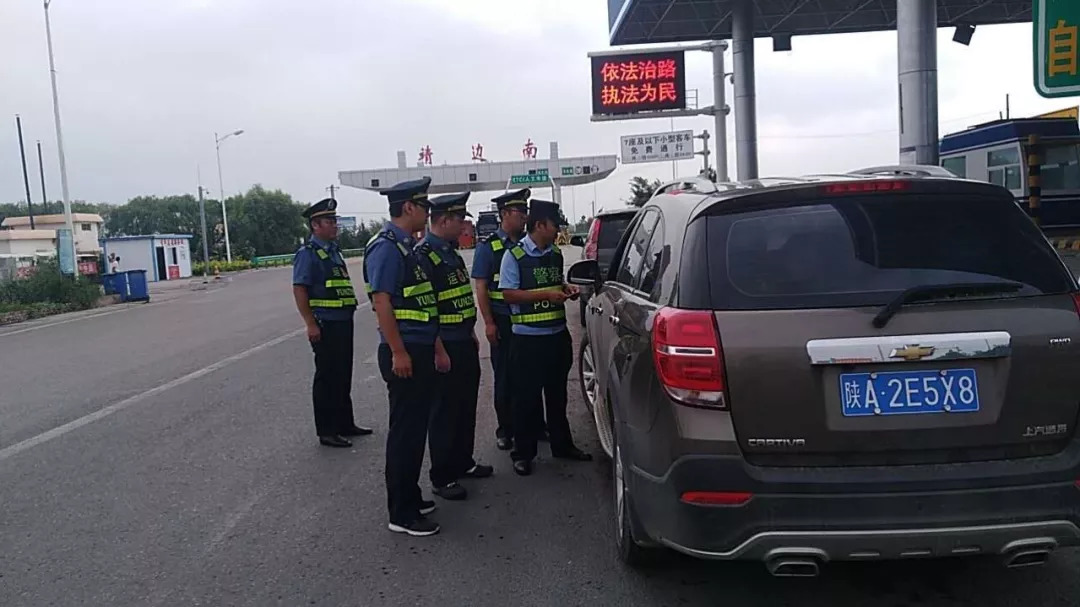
pixel 909 392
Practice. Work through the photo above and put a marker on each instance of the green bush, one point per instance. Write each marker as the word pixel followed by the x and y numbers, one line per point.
pixel 47 286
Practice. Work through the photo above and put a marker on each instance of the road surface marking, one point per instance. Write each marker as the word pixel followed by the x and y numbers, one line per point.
pixel 64 322
pixel 59 431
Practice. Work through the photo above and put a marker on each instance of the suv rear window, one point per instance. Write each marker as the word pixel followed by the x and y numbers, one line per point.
pixel 611 229
pixel 864 250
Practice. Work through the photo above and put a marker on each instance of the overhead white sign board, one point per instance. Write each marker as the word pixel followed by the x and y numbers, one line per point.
pixel 657 147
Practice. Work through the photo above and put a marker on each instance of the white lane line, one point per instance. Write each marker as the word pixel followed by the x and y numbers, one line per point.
pixel 64 322
pixel 59 431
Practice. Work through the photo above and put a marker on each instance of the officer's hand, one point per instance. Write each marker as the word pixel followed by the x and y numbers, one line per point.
pixel 572 291
pixel 402 365
pixel 492 333
pixel 442 362
pixel 556 297
pixel 314 333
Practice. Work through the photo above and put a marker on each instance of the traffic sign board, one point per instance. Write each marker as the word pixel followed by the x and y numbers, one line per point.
pixel 1057 47
pixel 540 176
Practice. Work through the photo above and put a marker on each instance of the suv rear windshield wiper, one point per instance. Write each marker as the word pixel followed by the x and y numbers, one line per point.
pixel 929 292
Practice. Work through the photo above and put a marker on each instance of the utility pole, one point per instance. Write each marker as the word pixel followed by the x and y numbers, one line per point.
pixel 202 219
pixel 44 197
pixel 60 141
pixel 331 188
pixel 25 175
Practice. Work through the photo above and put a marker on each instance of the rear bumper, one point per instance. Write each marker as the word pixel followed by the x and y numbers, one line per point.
pixel 830 526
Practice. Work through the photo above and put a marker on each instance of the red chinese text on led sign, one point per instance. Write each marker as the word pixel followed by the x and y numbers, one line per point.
pixel 638 82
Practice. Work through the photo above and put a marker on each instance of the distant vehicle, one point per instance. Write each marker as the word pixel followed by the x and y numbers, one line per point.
pixel 605 231
pixel 872 366
pixel 487 223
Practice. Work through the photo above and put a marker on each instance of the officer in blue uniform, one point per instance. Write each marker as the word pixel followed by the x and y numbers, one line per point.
pixel 487 259
pixel 326 301
pixel 452 431
pixel 532 281
pixel 410 353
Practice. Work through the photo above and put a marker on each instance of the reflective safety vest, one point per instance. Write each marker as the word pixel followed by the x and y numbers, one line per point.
pixel 497 250
pixel 540 274
pixel 332 288
pixel 416 302
pixel 456 304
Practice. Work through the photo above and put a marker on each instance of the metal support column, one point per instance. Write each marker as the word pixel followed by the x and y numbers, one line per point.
pixel 916 34
pixel 720 110
pixel 742 44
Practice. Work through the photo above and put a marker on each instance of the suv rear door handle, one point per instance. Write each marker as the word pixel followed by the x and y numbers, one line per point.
pixel 596 309
pixel 614 320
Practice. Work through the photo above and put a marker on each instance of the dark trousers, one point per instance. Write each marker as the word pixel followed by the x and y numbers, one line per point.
pixel 330 392
pixel 410 407
pixel 500 365
pixel 541 365
pixel 452 431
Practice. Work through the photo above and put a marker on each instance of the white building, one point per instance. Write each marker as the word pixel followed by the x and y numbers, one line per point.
pixel 28 243
pixel 87 229
pixel 163 256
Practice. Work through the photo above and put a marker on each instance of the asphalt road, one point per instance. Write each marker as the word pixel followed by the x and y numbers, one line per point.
pixel 164 454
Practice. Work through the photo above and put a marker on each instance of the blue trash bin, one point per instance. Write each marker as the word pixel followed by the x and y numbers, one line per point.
pixel 113 284
pixel 135 286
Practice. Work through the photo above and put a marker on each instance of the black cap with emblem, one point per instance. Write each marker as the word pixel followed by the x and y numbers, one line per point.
pixel 326 207
pixel 451 203
pixel 544 209
pixel 510 200
pixel 414 191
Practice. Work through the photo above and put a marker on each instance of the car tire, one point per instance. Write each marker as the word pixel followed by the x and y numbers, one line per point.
pixel 587 366
pixel 628 543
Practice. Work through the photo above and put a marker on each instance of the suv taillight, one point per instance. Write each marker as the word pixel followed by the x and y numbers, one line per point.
pixel 592 239
pixel 688 357
pixel 1076 301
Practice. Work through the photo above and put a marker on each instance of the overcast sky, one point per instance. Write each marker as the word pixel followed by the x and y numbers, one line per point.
pixel 321 86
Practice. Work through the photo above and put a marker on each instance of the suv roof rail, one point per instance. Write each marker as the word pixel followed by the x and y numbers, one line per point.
pixel 698 184
pixel 912 170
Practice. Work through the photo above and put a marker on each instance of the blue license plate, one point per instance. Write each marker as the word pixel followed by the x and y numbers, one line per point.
pixel 909 392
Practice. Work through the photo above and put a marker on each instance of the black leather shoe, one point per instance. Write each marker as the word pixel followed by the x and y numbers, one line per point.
pixel 573 453
pixel 334 440
pixel 523 467
pixel 504 444
pixel 453 492
pixel 427 507
pixel 479 471
pixel 357 431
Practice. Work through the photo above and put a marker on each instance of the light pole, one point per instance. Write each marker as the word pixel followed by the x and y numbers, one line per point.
pixel 60 140
pixel 221 187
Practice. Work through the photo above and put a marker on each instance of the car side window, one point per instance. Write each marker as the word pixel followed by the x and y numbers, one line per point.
pixel 629 272
pixel 656 257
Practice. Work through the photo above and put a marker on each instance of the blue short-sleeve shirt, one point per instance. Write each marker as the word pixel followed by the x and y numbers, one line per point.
pixel 385 273
pixel 484 268
pixel 307 269
pixel 510 278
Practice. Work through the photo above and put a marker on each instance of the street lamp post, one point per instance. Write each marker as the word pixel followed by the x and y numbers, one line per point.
pixel 60 140
pixel 221 188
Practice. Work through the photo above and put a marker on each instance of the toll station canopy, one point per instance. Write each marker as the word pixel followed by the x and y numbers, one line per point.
pixel 652 21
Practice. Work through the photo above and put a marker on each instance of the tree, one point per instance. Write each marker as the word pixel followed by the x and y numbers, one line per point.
pixel 358 237
pixel 641 190
pixel 166 215
pixel 582 224
pixel 265 222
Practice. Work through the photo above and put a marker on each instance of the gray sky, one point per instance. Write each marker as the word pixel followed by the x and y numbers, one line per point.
pixel 326 85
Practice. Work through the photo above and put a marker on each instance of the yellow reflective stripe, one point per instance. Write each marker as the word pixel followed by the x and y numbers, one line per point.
pixel 543 289
pixel 518 252
pixel 496 295
pixel 420 289
pixel 434 257
pixel 322 254
pixel 368 289
pixel 412 315
pixel 338 282
pixel 457 318
pixel 496 245
pixel 404 250
pixel 432 312
pixel 556 248
pixel 541 317
pixel 456 292
pixel 332 303
pixel 496 279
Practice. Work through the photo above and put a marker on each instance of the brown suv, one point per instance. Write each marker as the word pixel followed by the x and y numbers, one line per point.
pixel 853 367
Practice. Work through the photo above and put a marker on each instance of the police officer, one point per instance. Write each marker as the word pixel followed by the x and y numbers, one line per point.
pixel 531 280
pixel 452 431
pixel 513 207
pixel 326 301
pixel 410 353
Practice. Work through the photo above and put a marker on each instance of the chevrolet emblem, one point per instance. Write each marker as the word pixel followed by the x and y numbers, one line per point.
pixel 912 352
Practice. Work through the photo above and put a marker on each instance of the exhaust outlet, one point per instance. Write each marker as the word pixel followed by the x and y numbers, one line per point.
pixel 793 567
pixel 1031 557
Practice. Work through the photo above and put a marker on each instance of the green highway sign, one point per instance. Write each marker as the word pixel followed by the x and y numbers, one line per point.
pixel 1057 47
pixel 540 176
